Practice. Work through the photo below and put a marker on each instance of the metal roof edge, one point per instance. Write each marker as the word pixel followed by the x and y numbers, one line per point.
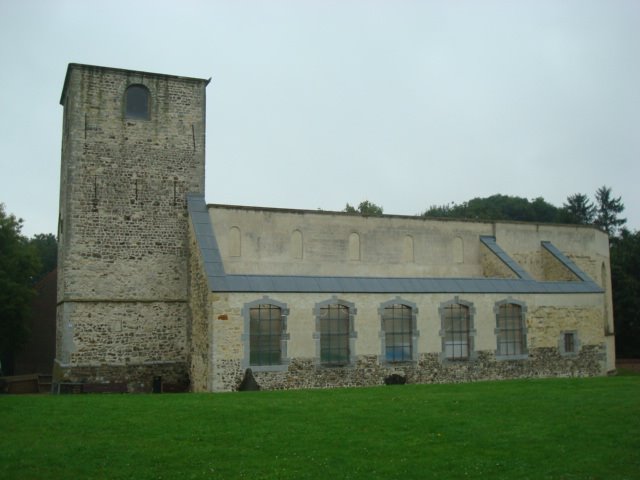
pixel 510 263
pixel 307 284
pixel 205 238
pixel 562 258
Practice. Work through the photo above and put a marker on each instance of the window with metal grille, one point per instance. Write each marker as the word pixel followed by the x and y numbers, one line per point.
pixel 510 330
pixel 334 334
pixel 265 326
pixel 397 323
pixel 457 327
pixel 137 102
pixel 569 342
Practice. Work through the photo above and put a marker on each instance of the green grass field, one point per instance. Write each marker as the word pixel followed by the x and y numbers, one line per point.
pixel 526 429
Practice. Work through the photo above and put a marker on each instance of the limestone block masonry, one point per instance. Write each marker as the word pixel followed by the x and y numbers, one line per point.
pixel 123 273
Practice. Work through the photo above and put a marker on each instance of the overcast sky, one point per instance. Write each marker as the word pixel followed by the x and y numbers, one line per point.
pixel 314 104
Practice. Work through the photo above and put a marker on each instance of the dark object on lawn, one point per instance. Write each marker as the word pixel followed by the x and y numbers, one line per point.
pixel 157 384
pixel 395 379
pixel 248 383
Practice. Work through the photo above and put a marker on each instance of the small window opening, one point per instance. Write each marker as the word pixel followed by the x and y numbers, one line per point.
pixel 569 343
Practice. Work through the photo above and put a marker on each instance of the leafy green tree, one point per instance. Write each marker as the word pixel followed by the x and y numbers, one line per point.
pixel 543 212
pixel 46 248
pixel 499 207
pixel 579 209
pixel 607 211
pixel 19 264
pixel 366 208
pixel 625 279
pixel 441 211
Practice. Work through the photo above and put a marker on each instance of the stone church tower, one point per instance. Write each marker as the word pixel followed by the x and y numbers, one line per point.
pixel 133 145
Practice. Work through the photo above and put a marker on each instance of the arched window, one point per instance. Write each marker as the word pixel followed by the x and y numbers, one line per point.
pixel 137 102
pixel 354 246
pixel 398 331
pixel 407 250
pixel 235 239
pixel 334 331
pixel 457 329
pixel 265 337
pixel 296 244
pixel 335 335
pixel 510 329
pixel 266 333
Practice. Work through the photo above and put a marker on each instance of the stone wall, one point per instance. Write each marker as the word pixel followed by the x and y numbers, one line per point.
pixel 120 333
pixel 546 317
pixel 368 371
pixel 300 242
pixel 492 266
pixel 123 220
pixel 138 378
pixel 269 241
pixel 553 269
pixel 198 331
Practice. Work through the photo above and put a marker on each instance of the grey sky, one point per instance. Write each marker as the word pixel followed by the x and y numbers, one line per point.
pixel 314 104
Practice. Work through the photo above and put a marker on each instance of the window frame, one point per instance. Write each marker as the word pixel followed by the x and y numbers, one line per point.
pixel 562 343
pixel 413 331
pixel 351 334
pixel 134 115
pixel 284 336
pixel 499 331
pixel 471 331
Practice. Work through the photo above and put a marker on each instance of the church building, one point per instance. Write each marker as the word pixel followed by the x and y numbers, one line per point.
pixel 158 289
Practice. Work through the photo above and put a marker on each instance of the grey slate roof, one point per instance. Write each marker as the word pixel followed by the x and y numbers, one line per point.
pixel 219 281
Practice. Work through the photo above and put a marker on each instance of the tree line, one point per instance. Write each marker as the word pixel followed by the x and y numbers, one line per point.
pixel 23 262
pixel 578 209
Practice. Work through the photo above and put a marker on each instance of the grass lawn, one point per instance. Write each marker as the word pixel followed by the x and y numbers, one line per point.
pixel 525 429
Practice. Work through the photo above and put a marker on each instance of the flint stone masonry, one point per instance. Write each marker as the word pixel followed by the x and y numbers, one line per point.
pixel 128 332
pixel 367 371
pixel 198 333
pixel 135 377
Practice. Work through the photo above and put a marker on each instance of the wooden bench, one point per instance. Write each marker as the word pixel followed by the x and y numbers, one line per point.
pixel 20 384
pixel 175 387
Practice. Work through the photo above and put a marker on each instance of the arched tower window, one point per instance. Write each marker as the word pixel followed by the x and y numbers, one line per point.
pixel 137 102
